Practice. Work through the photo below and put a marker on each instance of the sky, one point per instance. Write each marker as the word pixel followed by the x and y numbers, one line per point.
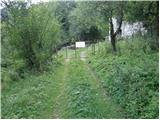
pixel 33 1
pixel 37 1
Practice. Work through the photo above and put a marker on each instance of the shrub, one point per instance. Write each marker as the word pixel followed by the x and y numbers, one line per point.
pixel 131 78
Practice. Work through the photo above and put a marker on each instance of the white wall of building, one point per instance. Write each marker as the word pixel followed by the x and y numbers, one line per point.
pixel 128 30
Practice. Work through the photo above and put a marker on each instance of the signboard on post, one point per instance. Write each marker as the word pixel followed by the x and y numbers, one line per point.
pixel 80 44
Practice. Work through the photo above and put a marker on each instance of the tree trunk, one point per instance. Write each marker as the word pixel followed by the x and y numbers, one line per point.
pixel 113 42
pixel 112 36
pixel 157 24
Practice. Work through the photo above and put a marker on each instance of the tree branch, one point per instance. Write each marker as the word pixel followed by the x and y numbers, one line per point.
pixel 119 22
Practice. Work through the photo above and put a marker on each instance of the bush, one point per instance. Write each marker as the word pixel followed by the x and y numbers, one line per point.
pixel 131 78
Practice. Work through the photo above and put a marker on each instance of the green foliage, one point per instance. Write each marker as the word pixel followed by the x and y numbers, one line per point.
pixel 30 35
pixel 84 98
pixel 146 12
pixel 141 11
pixel 32 97
pixel 86 23
pixel 63 9
pixel 80 99
pixel 131 78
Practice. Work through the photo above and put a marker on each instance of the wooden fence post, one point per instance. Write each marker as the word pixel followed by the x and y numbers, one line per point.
pixel 66 53
pixel 75 53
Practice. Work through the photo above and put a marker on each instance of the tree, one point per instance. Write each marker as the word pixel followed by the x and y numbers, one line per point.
pixel 85 22
pixel 110 10
pixel 146 12
pixel 63 9
pixel 33 32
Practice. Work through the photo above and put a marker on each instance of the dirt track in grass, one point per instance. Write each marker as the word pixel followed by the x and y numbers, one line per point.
pixel 74 102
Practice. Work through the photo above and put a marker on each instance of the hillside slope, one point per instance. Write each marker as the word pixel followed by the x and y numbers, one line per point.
pixel 130 77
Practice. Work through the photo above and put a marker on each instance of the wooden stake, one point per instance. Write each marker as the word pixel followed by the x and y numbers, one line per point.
pixel 66 52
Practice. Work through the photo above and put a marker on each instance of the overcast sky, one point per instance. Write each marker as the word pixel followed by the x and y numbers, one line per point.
pixel 33 1
pixel 36 1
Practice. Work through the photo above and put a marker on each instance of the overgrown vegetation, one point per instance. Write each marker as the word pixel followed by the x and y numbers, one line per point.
pixel 34 96
pixel 84 97
pixel 30 36
pixel 130 77
pixel 34 38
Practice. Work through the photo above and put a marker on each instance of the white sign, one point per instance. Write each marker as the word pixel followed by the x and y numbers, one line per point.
pixel 80 44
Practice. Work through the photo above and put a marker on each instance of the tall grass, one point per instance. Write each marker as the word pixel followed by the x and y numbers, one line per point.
pixel 130 77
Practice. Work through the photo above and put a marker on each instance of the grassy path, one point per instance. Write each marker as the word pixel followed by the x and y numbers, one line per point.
pixel 68 90
pixel 108 108
pixel 81 94
pixel 61 75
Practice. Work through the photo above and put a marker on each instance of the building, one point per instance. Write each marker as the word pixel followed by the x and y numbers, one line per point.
pixel 127 29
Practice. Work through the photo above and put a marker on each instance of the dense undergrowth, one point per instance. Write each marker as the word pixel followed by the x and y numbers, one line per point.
pixel 130 77
pixel 84 97
pixel 33 96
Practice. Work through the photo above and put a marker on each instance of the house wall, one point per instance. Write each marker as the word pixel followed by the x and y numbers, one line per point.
pixel 128 30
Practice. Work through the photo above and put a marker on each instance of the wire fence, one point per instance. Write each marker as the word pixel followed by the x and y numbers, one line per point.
pixel 71 52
